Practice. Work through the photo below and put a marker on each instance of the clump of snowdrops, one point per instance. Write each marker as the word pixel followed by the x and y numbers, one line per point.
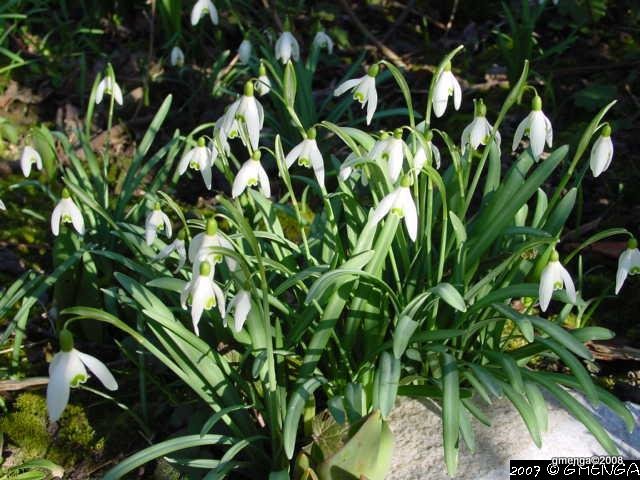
pixel 426 270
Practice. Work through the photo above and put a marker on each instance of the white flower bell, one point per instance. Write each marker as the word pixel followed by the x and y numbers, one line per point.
pixel 346 170
pixel 202 293
pixel 251 174
pixel 601 152
pixel 69 369
pixel 2 205
pixel 179 247
pixel 109 86
pixel 308 155
pixel 263 84
pixel 628 263
pixel 478 132
pixel 400 203
pixel 446 85
pixel 177 57
pixel 200 247
pixel 29 156
pixel 537 127
pixel 364 90
pixel 244 112
pixel 156 221
pixel 555 277
pixel 322 40
pixel 198 158
pixel 240 304
pixel 244 51
pixel 287 46
pixel 390 149
pixel 423 153
pixel 201 8
pixel 66 212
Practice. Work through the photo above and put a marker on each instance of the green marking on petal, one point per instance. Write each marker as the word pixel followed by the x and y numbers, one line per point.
pixel 66 218
pixel 398 211
pixel 634 270
pixel 78 379
pixel 252 182
pixel 304 162
pixel 558 285
pixel 359 97
pixel 211 302
pixel 193 165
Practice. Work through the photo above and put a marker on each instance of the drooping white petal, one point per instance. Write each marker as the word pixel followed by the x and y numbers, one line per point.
pixel 263 178
pixel 372 98
pixel 479 132
pixel 348 85
pixel 464 140
pixel 55 219
pixel 206 176
pixel 241 306
pixel 420 158
pixel 294 154
pixel 601 155
pixel 100 91
pixel 408 206
pixel 263 85
pixel 185 161
pixel 244 51
pixel 220 300
pixel 549 130
pixel 29 156
pixel 247 172
pixel 436 155
pixel 249 110
pixel 396 156
pixel 547 282
pixel 100 370
pixel 322 40
pixel 522 127
pixel 186 291
pixel 117 93
pixel 177 57
pixel 384 207
pixel 317 163
pixel 446 85
pixel 195 245
pixel 457 92
pixel 569 287
pixel 58 387
pixel 76 216
pixel 199 9
pixel 2 205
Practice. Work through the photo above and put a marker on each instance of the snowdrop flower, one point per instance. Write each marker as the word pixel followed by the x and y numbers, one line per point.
pixel 69 369
pixel 263 84
pixel 244 51
pixel 364 90
pixel 346 170
pixel 179 247
pixel 177 57
pixel 400 203
pixel 391 150
pixel 537 127
pixel 245 111
pixel 66 212
pixel 200 247
pixel 2 206
pixel 251 174
pixel 628 263
pixel 29 156
pixel 156 220
pixel 241 306
pixel 203 294
pixel 555 277
pixel 201 8
pixel 478 132
pixel 322 40
pixel 601 152
pixel 421 156
pixel 109 86
pixel 198 158
pixel 446 85
pixel 308 155
pixel 287 46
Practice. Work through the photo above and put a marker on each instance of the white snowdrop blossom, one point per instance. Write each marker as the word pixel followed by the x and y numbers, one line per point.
pixel 69 369
pixel 244 51
pixel 66 211
pixel 478 132
pixel 109 86
pixel 537 127
pixel 308 155
pixel 156 221
pixel 2 205
pixel 263 84
pixel 29 156
pixel 423 153
pixel 177 246
pixel 201 8
pixel 400 203
pixel 200 247
pixel 177 57
pixel 601 152
pixel 244 112
pixel 240 304
pixel 446 85
pixel 390 149
pixel 322 40
pixel 347 169
pixel 555 277
pixel 628 263
pixel 198 158
pixel 364 90
pixel 202 293
pixel 251 174
pixel 287 47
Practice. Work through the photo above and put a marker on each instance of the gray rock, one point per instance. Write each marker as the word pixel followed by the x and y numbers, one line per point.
pixel 419 455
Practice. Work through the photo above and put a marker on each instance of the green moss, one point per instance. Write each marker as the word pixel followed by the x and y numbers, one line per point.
pixel 27 428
